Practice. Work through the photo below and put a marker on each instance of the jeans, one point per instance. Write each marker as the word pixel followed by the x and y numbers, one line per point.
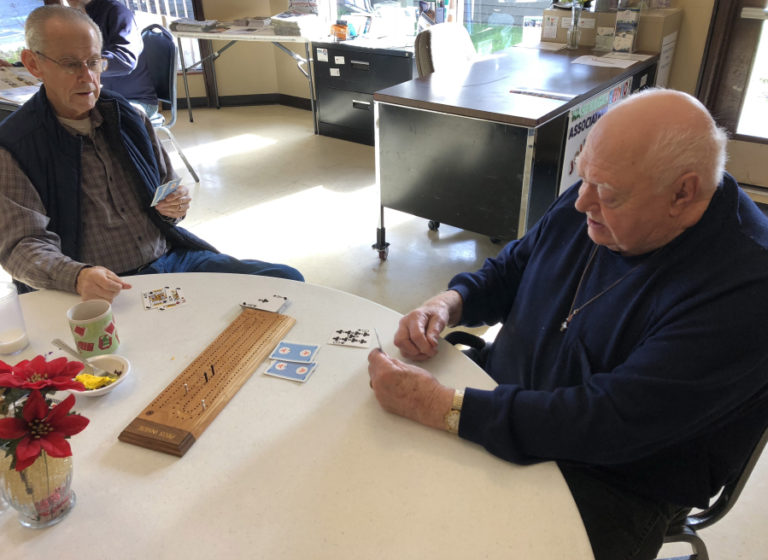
pixel 620 524
pixel 191 260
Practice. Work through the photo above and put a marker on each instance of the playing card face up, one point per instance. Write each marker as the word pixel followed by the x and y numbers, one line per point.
pixel 291 370
pixel 163 298
pixel 294 352
pixel 357 338
pixel 273 303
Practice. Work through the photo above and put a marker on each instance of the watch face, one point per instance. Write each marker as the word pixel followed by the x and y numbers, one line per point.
pixel 452 421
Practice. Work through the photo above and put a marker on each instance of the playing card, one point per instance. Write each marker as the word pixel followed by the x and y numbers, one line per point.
pixel 294 352
pixel 274 303
pixel 164 190
pixel 163 298
pixel 358 338
pixel 291 370
pixel 154 299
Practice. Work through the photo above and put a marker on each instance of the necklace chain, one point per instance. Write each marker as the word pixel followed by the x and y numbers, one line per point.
pixel 575 310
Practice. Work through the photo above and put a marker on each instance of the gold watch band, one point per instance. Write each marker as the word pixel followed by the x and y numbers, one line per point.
pixel 454 415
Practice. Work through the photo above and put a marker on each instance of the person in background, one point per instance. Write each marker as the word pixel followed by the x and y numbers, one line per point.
pixel 127 72
pixel 78 171
pixel 632 348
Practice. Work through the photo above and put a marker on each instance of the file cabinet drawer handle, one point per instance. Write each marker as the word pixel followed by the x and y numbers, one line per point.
pixel 360 64
pixel 357 104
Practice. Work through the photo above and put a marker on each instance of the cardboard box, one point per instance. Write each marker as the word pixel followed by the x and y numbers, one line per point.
pixel 656 27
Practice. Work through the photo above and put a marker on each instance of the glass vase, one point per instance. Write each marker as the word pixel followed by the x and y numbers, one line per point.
pixel 574 33
pixel 41 493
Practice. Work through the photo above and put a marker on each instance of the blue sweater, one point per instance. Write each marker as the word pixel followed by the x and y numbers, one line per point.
pixel 661 384
pixel 127 72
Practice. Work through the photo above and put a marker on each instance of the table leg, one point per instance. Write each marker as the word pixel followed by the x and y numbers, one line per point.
pixel 186 83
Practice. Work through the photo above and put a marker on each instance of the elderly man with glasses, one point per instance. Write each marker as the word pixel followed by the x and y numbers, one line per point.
pixel 78 171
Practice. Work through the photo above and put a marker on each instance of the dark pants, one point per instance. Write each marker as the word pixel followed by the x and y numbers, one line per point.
pixel 620 524
pixel 190 260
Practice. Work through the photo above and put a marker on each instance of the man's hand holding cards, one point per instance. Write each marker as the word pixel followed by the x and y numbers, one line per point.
pixel 164 190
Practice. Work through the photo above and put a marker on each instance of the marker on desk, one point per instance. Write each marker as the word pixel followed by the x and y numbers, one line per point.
pixel 542 93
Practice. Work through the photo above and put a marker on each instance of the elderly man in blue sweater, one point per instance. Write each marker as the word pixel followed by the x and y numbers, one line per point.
pixel 78 171
pixel 632 350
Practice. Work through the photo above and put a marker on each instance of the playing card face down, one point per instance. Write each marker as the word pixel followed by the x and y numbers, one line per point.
pixel 293 371
pixel 164 190
pixel 294 352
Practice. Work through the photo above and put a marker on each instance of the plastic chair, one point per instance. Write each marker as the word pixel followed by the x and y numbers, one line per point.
pixel 687 530
pixel 160 53
pixel 443 47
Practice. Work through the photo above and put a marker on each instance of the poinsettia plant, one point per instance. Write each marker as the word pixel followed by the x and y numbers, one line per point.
pixel 31 423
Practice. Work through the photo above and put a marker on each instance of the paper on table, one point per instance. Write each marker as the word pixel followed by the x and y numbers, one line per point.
pixel 591 60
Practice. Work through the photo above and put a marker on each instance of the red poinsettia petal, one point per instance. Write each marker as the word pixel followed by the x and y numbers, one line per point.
pixel 26 452
pixel 56 445
pixel 12 428
pixel 72 369
pixel 61 410
pixel 71 425
pixel 5 368
pixel 35 407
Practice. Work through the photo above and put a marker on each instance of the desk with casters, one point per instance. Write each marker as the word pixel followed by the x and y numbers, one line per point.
pixel 485 148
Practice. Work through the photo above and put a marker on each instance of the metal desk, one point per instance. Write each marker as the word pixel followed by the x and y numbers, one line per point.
pixel 484 148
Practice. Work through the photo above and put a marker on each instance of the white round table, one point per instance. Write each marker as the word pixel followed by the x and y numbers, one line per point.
pixel 287 470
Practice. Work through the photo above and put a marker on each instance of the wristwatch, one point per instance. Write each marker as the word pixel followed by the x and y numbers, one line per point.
pixel 453 416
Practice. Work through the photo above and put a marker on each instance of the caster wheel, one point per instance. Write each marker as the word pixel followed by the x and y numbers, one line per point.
pixel 433 225
pixel 383 254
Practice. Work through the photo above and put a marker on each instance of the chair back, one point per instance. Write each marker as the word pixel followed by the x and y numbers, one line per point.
pixel 160 54
pixel 441 47
pixel 687 530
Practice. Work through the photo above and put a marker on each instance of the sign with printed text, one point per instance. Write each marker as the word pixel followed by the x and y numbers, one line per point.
pixel 580 121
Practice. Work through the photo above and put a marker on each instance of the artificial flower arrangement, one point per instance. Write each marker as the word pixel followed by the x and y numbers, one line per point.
pixel 29 424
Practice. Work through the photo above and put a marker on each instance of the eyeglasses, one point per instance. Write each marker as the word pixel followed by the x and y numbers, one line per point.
pixel 95 65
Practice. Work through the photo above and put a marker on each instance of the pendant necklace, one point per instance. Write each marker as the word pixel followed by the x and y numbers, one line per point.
pixel 574 310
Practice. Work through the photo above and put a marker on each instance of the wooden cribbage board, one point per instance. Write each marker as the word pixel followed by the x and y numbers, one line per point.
pixel 177 417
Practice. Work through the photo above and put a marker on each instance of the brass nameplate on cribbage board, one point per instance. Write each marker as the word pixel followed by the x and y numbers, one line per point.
pixel 184 409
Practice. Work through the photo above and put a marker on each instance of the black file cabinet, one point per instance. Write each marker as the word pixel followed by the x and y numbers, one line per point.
pixel 346 76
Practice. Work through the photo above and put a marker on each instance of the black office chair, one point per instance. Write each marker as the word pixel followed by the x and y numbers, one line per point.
pixel 160 53
pixel 687 530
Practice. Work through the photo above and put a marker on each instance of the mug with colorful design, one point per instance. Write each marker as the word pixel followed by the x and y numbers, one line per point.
pixel 93 327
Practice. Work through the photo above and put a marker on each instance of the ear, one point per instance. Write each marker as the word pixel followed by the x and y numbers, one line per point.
pixel 684 192
pixel 30 62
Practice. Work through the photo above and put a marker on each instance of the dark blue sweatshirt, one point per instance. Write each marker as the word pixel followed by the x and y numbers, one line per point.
pixel 660 384
pixel 127 72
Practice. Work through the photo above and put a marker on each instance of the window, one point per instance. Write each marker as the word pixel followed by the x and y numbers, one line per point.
pixel 734 85
pixel 13 14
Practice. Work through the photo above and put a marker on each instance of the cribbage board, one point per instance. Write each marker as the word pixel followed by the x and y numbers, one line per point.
pixel 177 417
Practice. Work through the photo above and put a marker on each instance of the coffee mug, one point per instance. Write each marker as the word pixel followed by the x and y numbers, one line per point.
pixel 93 327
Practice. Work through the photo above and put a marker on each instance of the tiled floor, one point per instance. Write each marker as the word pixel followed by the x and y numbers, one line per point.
pixel 272 190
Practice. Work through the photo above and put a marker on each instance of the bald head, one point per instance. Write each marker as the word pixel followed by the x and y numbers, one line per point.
pixel 662 134
pixel 649 169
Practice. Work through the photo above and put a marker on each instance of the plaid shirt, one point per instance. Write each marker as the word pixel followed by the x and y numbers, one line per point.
pixel 116 232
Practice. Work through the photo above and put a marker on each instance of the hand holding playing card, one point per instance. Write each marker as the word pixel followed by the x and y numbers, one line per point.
pixel 175 204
